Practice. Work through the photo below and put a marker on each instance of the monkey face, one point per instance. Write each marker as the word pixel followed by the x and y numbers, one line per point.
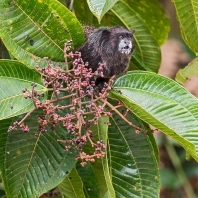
pixel 125 45
pixel 112 46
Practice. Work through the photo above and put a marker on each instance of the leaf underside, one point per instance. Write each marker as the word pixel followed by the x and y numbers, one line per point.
pixel 100 7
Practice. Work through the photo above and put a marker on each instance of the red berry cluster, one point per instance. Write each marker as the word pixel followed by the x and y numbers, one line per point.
pixel 76 104
pixel 16 124
pixel 74 93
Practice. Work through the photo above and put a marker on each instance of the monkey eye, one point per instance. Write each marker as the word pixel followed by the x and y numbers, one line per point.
pixel 120 37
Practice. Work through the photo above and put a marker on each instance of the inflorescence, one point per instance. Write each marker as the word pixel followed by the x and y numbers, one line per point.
pixel 74 93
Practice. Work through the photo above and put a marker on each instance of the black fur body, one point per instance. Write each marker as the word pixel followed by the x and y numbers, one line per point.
pixel 112 47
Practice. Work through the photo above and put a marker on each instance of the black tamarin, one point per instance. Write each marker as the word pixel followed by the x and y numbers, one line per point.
pixel 112 47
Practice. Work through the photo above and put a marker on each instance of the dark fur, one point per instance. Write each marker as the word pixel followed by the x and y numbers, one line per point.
pixel 101 46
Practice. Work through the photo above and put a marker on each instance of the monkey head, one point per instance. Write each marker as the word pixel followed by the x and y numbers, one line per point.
pixel 111 46
pixel 124 38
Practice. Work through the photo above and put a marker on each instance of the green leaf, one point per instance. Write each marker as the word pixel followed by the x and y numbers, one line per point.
pixel 187 14
pixel 102 131
pixel 70 21
pixel 147 52
pixel 91 187
pixel 2 194
pixel 153 143
pixel 153 16
pixel 37 29
pixel 99 170
pixel 190 70
pixel 100 174
pixel 83 12
pixel 100 7
pixel 30 165
pixel 72 186
pixel 162 103
pixel 14 76
pixel 132 162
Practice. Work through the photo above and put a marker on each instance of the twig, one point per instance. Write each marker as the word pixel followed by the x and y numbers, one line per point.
pixel 24 118
pixel 114 109
pixel 60 99
pixel 88 136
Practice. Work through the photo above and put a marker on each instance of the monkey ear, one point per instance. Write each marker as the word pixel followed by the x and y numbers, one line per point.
pixel 132 31
pixel 106 33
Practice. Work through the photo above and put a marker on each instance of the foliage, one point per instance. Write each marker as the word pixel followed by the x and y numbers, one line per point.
pixel 31 166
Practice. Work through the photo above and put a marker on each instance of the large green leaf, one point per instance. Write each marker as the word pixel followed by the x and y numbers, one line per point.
pixel 35 29
pixel 72 186
pixel 147 51
pixel 190 70
pixel 162 103
pixel 154 17
pixel 132 162
pixel 100 7
pixel 187 14
pixel 15 76
pixel 30 165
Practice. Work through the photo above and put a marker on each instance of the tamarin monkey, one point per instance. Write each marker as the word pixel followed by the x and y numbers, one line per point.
pixel 112 47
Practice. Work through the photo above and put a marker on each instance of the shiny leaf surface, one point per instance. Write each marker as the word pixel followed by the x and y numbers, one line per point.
pixel 14 76
pixel 30 165
pixel 72 186
pixel 35 29
pixel 133 164
pixel 152 97
pixel 91 188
